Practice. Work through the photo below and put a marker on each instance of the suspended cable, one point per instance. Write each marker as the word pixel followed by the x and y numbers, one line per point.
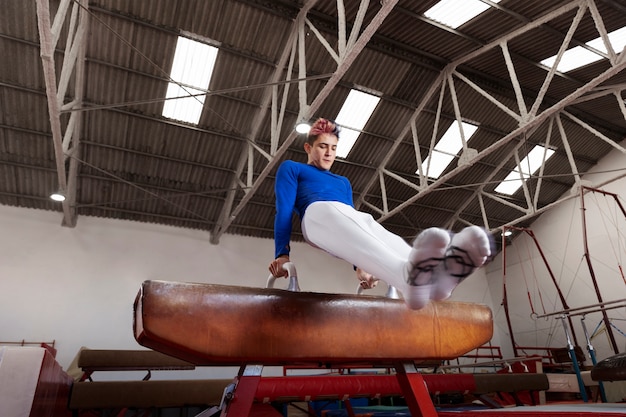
pixel 153 194
pixel 536 282
pixel 521 264
pixel 603 218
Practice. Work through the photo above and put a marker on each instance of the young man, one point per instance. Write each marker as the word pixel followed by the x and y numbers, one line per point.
pixel 428 270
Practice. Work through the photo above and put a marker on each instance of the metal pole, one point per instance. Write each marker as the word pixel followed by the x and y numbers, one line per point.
pixel 554 281
pixel 572 354
pixel 605 317
pixel 576 311
pixel 592 355
pixel 505 301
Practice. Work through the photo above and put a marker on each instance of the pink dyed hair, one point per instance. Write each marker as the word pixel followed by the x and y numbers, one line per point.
pixel 320 127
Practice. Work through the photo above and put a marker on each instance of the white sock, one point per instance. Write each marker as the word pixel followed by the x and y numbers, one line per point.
pixel 469 249
pixel 429 248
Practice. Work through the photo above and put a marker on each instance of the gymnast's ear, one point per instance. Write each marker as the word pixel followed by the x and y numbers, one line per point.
pixel 307 147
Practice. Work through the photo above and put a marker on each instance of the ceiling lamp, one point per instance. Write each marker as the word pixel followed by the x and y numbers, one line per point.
pixel 303 127
pixel 58 196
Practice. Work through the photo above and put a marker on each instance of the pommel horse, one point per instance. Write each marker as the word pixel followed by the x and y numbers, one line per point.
pixel 218 325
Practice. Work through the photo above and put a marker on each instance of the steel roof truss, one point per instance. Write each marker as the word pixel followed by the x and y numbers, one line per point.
pixel 528 122
pixel 346 60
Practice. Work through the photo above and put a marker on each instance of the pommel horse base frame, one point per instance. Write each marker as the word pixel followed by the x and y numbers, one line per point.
pixel 217 325
pixel 239 397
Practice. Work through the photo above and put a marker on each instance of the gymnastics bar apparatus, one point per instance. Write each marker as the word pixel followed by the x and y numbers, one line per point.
pixel 582 311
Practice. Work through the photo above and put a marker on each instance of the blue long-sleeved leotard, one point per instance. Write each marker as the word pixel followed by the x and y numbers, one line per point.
pixel 297 186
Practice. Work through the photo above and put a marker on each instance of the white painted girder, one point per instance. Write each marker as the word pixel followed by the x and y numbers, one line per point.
pixel 65 141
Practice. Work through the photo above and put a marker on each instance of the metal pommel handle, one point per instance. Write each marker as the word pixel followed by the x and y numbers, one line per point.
pixel 392 292
pixel 292 275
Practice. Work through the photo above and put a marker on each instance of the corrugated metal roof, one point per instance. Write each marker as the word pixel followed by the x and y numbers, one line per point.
pixel 133 164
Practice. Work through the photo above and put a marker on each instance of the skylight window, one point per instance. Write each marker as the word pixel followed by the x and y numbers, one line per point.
pixel 530 164
pixel 454 13
pixel 573 58
pixel 447 149
pixel 352 117
pixel 191 74
pixel 578 56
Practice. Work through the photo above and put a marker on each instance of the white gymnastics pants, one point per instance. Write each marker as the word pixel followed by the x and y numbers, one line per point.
pixel 357 238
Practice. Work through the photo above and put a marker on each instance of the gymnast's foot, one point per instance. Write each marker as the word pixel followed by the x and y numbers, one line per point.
pixel 468 251
pixel 428 251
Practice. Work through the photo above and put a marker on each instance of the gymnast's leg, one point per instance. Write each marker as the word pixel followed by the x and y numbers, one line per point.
pixel 357 238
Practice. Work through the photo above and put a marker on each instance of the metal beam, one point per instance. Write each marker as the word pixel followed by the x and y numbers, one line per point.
pixel 65 143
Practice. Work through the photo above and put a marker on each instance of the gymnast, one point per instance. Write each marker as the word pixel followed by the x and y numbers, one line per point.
pixel 429 270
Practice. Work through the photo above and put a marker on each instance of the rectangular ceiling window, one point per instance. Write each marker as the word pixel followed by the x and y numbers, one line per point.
pixel 190 76
pixel 352 117
pixel 529 165
pixel 578 56
pixel 454 13
pixel 447 148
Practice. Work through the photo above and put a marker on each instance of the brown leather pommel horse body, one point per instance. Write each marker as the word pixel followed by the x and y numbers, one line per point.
pixel 219 325
pixel 225 325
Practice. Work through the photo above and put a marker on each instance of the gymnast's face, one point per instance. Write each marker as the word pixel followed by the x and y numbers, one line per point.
pixel 323 151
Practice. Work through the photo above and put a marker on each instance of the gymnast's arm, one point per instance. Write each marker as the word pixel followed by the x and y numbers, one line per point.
pixel 285 188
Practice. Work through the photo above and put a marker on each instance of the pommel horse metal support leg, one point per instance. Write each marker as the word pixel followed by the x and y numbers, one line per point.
pixel 415 391
pixel 241 399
